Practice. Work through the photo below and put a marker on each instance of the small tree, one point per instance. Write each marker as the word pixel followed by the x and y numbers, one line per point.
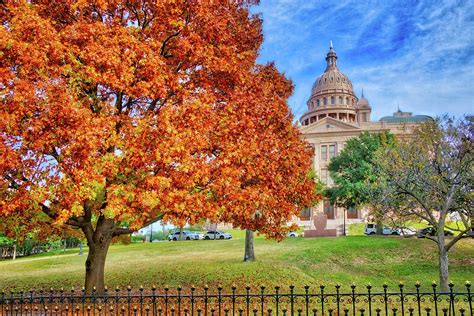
pixel 431 177
pixel 353 172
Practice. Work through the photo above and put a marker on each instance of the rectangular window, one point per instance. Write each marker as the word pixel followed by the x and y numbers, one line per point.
pixel 328 209
pixel 332 151
pixel 324 152
pixel 305 213
pixel 324 176
pixel 352 212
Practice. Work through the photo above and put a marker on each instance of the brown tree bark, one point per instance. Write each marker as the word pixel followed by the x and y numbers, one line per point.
pixel 443 262
pixel 98 241
pixel 379 223
pixel 249 248
pixel 14 252
pixel 180 238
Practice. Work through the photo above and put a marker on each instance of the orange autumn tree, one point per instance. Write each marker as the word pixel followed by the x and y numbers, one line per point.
pixel 117 113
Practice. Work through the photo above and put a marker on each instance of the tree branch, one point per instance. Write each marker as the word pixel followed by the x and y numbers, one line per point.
pixel 461 235
pixel 122 231
pixel 163 49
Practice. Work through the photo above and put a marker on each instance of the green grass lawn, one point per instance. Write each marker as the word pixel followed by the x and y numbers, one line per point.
pixel 297 261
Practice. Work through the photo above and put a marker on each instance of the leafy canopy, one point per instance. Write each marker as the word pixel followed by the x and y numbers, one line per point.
pixel 122 112
pixel 353 170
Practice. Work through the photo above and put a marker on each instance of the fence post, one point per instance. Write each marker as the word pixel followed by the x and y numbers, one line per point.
pixel 338 299
pixel 385 298
pixel 219 299
pixel 451 298
pixel 105 299
pixel 153 300
pixel 262 300
pixel 321 287
pixel 166 300
pixel 179 300
pixel 117 299
pixel 247 299
pixel 292 299
pixel 402 298
pixel 435 297
pixel 206 288
pixel 192 300
pixel 369 298
pixel 469 297
pixel 129 298
pixel 353 287
pixel 277 288
pixel 306 299
pixel 233 299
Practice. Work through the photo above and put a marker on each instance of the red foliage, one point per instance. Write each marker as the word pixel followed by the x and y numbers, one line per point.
pixel 133 110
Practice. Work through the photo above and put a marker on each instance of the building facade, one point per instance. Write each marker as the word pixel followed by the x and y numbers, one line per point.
pixel 334 115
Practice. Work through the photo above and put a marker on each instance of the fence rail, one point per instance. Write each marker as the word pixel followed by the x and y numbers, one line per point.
pixel 321 300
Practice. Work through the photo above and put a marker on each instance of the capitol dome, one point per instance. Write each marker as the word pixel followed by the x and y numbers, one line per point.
pixel 332 78
pixel 332 96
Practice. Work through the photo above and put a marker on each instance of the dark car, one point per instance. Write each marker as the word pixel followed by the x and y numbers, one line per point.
pixel 431 231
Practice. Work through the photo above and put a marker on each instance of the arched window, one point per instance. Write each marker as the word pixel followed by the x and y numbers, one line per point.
pixel 340 100
pixel 325 101
pixel 333 100
pixel 331 79
pixel 317 102
pixel 347 101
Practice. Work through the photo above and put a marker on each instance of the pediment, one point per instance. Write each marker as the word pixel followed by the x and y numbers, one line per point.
pixel 328 124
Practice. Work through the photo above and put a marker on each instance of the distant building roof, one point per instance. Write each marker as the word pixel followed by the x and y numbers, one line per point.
pixel 406 117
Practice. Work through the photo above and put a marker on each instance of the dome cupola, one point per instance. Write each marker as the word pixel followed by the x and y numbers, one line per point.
pixel 332 95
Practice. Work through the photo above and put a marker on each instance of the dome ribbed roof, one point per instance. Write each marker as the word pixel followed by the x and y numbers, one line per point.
pixel 332 78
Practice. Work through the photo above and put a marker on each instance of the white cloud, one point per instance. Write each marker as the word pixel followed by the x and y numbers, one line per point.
pixel 418 55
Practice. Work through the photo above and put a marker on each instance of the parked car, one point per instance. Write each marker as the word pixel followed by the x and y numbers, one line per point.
pixel 292 234
pixel 407 231
pixel 200 235
pixel 217 234
pixel 431 231
pixel 371 229
pixel 187 235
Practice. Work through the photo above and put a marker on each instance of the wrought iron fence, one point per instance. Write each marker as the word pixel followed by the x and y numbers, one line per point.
pixel 334 301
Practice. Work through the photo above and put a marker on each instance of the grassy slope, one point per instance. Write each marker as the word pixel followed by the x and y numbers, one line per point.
pixel 296 261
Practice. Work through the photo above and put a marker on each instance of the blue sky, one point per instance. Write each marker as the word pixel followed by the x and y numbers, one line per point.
pixel 416 54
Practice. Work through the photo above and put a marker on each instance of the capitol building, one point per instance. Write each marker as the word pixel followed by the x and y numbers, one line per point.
pixel 334 115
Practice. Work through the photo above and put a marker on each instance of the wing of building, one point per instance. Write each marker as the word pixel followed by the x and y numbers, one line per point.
pixel 334 115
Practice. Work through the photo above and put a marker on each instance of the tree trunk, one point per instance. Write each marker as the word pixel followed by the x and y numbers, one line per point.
pixel 180 234
pixel 443 262
pixel 249 249
pixel 379 223
pixel 14 252
pixel 98 244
